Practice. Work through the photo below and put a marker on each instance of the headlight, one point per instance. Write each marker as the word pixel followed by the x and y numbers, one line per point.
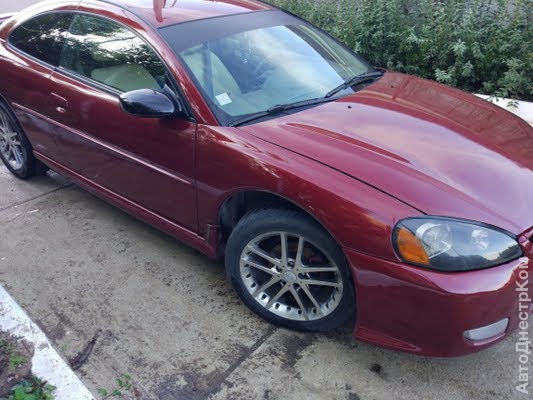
pixel 450 244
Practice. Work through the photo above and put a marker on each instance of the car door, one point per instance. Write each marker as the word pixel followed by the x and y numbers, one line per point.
pixel 32 53
pixel 148 161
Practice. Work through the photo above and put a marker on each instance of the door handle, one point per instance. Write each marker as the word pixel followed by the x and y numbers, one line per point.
pixel 62 103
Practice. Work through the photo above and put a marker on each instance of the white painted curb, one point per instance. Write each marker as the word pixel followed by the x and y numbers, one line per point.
pixel 523 109
pixel 47 363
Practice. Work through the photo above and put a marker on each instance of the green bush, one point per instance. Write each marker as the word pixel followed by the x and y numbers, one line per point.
pixel 483 46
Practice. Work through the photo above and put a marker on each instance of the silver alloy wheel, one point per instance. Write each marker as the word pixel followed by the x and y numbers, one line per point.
pixel 10 145
pixel 290 276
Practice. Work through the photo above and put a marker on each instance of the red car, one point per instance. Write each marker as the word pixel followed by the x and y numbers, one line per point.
pixel 334 191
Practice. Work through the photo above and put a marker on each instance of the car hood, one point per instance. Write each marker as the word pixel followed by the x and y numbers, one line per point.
pixel 440 150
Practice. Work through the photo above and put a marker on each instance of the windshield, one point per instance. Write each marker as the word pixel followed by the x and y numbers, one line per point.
pixel 252 71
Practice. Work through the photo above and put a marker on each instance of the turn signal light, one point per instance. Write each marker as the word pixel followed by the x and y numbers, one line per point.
pixel 410 248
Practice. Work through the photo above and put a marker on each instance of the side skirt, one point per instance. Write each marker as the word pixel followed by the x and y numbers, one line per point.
pixel 134 209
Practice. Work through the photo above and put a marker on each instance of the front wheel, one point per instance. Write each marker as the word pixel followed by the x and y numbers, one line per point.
pixel 290 271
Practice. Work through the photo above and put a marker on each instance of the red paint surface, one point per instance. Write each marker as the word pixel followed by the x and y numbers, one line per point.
pixel 401 147
pixel 438 149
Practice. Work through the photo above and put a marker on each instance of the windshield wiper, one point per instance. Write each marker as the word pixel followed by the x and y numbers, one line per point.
pixel 356 80
pixel 276 110
pixel 284 107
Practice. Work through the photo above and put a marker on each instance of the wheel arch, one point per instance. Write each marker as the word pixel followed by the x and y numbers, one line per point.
pixel 4 100
pixel 10 109
pixel 32 166
pixel 237 204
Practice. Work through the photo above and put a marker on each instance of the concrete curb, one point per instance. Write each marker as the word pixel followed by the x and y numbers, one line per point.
pixel 523 109
pixel 47 363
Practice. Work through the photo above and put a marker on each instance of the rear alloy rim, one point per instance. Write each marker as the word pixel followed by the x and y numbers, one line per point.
pixel 290 276
pixel 10 145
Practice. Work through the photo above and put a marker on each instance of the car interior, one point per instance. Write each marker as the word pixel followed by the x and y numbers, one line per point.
pixel 114 57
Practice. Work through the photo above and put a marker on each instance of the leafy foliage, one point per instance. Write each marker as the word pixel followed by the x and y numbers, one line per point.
pixel 124 389
pixel 32 389
pixel 484 46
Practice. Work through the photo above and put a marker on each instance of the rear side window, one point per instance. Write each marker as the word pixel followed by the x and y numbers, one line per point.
pixel 106 52
pixel 42 37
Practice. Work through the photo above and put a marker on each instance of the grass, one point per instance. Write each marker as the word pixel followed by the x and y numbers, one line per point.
pixel 24 385
pixel 15 361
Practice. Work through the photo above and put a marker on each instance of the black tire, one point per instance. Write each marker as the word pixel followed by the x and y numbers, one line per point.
pixel 30 165
pixel 294 225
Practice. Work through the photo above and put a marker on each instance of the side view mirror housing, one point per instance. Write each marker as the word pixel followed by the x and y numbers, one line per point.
pixel 149 103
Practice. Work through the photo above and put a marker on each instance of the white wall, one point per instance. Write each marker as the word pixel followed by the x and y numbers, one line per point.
pixel 523 109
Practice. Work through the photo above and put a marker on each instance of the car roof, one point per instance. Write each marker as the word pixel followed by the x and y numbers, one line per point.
pixel 162 13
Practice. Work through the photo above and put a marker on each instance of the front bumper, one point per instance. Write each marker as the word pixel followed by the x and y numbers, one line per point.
pixel 427 312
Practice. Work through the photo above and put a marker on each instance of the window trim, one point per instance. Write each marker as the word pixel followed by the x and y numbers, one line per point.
pixel 91 82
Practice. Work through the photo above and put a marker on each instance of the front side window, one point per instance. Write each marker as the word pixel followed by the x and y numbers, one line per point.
pixel 252 71
pixel 106 52
pixel 42 37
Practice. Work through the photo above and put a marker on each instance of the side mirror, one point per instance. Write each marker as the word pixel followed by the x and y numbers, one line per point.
pixel 149 103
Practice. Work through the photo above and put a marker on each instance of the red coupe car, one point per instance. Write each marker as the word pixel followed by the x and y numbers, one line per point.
pixel 334 191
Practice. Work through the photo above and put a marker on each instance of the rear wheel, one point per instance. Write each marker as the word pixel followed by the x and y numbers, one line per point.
pixel 15 149
pixel 290 271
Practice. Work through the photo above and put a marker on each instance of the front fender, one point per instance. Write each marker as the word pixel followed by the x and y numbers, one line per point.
pixel 357 215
